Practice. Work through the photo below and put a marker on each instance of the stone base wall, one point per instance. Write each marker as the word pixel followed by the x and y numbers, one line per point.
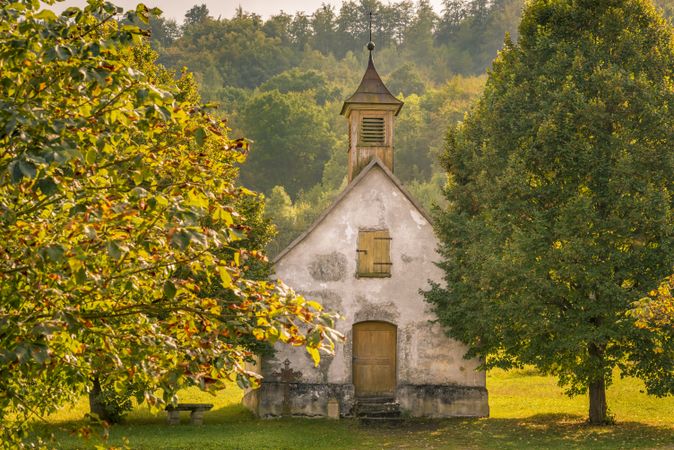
pixel 305 399
pixel 311 400
pixel 440 401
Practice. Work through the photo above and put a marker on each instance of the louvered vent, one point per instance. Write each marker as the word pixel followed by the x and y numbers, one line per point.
pixel 372 131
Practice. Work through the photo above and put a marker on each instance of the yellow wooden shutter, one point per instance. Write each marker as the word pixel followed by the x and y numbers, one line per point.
pixel 374 255
pixel 365 253
pixel 382 254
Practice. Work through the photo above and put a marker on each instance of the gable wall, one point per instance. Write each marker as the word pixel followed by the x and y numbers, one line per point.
pixel 323 267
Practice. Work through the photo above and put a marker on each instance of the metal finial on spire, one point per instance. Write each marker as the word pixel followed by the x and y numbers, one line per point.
pixel 370 45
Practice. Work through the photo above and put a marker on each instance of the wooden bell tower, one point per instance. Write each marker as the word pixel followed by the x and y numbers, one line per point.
pixel 370 112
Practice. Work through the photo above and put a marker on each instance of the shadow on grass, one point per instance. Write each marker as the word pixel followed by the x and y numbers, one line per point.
pixel 234 427
pixel 549 431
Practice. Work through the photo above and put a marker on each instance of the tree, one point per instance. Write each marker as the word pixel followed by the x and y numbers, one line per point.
pixel 131 255
pixel 406 80
pixel 278 26
pixel 291 138
pixel 419 35
pixel 296 80
pixel 561 196
pixel 323 27
pixel 454 12
pixel 163 32
pixel 403 15
pixel 196 14
pixel 237 50
pixel 300 30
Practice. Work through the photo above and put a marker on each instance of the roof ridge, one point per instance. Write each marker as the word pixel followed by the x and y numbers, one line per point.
pixel 374 162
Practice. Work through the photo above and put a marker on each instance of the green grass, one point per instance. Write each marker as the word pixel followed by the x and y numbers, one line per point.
pixel 527 411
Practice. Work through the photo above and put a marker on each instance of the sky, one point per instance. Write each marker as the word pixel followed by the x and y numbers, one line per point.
pixel 176 8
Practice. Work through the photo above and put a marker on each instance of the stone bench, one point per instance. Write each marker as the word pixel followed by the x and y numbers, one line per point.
pixel 197 411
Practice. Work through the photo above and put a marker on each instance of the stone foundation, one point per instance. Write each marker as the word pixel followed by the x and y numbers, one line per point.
pixel 311 400
pixel 305 399
pixel 440 401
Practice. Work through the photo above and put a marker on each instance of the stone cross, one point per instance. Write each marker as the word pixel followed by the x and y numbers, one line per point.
pixel 287 376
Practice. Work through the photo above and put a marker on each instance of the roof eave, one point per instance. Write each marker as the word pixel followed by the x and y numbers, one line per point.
pixel 346 107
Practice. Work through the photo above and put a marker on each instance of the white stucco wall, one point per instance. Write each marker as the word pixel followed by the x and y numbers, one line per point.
pixel 425 354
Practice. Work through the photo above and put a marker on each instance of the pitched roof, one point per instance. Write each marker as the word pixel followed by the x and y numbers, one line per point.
pixel 372 90
pixel 363 173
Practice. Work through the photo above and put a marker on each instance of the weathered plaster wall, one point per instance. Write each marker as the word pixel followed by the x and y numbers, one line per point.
pixel 323 267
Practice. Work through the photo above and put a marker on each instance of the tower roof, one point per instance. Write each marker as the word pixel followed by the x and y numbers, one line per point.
pixel 372 91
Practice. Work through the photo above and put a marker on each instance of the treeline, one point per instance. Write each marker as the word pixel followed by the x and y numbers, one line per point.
pixel 281 83
pixel 462 39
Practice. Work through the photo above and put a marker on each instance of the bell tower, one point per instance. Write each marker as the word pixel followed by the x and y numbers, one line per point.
pixel 370 112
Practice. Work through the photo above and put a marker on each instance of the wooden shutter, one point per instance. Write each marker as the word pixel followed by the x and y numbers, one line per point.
pixel 374 253
pixel 372 131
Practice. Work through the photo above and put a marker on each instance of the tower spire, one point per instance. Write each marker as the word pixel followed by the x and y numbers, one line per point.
pixel 370 112
pixel 370 45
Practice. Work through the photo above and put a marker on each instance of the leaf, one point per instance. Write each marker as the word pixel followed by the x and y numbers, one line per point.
pixel 181 239
pixel 90 156
pixel 259 334
pixel 63 52
pixel 224 215
pixel 315 305
pixel 27 169
pixel 15 172
pixel 315 355
pixel 40 354
pixel 225 277
pixel 81 276
pixel 18 169
pixel 74 264
pixel 169 290
pixel 114 250
pixel 200 136
pixel 46 14
pixel 47 186
pixel 143 12
pixel 55 253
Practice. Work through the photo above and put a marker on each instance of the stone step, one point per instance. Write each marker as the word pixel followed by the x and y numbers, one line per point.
pixel 376 400
pixel 379 415
pixel 389 411
pixel 381 421
pixel 377 408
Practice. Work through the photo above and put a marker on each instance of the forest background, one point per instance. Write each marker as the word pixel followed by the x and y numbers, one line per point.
pixel 281 82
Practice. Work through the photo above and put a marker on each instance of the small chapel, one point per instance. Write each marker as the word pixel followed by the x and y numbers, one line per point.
pixel 367 257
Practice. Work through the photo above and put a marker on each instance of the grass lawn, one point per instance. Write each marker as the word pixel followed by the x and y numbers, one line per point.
pixel 527 411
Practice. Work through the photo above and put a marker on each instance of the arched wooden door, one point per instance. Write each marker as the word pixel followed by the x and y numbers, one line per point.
pixel 374 359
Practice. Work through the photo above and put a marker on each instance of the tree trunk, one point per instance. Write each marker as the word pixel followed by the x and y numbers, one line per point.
pixel 598 408
pixel 96 406
pixel 598 402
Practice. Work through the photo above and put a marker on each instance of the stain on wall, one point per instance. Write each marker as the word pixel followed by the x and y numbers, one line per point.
pixel 371 311
pixel 330 267
pixel 329 299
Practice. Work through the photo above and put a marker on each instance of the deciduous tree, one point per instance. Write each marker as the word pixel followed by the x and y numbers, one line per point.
pixel 128 250
pixel 561 196
pixel 292 141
